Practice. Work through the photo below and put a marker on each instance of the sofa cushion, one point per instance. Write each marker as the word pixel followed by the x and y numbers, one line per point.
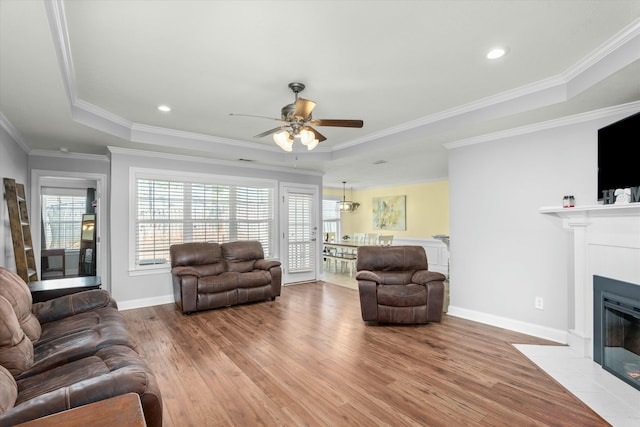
pixel 242 255
pixel 394 277
pixel 74 337
pixel 17 292
pixel 391 258
pixel 221 283
pixel 402 295
pixel 8 390
pixel 195 253
pixel 254 279
pixel 71 305
pixel 109 372
pixel 16 349
pixel 199 270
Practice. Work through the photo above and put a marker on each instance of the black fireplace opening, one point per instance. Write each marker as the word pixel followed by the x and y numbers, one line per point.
pixel 617 328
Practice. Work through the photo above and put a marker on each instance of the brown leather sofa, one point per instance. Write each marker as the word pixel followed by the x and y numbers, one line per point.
pixel 211 275
pixel 66 352
pixel 396 286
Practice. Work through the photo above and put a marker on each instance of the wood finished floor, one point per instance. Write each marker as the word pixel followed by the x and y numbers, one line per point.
pixel 308 359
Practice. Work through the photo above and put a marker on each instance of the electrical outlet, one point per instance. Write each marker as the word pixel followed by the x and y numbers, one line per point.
pixel 539 303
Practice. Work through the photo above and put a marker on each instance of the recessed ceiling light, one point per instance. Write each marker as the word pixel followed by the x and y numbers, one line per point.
pixel 496 52
pixel 164 108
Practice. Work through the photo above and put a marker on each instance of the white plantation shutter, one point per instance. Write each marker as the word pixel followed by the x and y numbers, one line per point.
pixel 301 249
pixel 173 211
pixel 62 219
pixel 330 217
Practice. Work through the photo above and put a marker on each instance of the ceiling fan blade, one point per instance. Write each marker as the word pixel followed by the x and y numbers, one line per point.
pixel 320 137
pixel 338 123
pixel 251 115
pixel 269 132
pixel 303 108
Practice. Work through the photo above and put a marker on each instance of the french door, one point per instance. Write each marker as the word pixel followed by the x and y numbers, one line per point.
pixel 299 225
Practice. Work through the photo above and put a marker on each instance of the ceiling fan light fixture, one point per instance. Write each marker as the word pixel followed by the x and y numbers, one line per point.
pixel 299 120
pixel 284 140
pixel 306 137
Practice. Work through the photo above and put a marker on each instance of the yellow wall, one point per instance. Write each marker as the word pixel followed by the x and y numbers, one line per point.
pixel 427 209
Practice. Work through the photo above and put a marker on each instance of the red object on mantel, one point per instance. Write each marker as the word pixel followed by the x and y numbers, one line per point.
pixel 568 202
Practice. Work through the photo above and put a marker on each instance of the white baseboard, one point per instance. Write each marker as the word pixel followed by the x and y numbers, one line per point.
pixel 145 302
pixel 532 329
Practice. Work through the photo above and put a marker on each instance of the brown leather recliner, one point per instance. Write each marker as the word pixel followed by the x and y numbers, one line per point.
pixel 211 275
pixel 66 352
pixel 396 286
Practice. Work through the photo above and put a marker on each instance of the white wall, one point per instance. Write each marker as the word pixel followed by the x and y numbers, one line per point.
pixel 133 289
pixel 13 164
pixel 504 253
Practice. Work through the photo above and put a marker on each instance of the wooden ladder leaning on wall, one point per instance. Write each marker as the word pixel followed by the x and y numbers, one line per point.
pixel 20 230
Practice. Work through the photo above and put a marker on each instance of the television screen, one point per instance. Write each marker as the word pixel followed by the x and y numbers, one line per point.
pixel 618 165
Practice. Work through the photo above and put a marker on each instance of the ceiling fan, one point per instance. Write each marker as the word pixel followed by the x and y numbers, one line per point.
pixel 297 121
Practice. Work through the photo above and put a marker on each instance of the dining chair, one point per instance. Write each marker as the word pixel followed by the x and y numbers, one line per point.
pixel 385 240
pixel 371 238
pixel 358 238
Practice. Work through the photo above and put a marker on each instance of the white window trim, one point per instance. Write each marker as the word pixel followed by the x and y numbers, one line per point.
pixel 136 173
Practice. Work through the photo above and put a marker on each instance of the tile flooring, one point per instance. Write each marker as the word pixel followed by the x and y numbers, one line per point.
pixel 613 399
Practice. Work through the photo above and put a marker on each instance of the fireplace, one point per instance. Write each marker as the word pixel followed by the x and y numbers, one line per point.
pixel 616 337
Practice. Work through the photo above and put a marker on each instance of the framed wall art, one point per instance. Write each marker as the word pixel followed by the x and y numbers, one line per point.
pixel 390 213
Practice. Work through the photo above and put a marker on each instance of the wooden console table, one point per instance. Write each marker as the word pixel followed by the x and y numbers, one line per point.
pixel 43 290
pixel 124 410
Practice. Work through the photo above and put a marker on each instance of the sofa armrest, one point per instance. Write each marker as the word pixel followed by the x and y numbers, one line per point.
pixel 263 264
pixel 185 292
pixel 367 291
pixel 185 271
pixel 435 301
pixel 423 277
pixel 368 275
pixel 68 305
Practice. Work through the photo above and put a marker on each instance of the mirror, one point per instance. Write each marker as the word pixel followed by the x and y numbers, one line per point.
pixel 87 259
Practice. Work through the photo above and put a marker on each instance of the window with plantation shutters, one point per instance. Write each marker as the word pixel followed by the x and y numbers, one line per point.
pixel 301 248
pixel 171 211
pixel 62 218
pixel 330 217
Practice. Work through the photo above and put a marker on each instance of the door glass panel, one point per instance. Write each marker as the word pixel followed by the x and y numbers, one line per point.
pixel 301 246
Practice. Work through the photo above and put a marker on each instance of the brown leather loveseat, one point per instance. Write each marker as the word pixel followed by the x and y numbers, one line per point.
pixel 210 275
pixel 66 352
pixel 396 286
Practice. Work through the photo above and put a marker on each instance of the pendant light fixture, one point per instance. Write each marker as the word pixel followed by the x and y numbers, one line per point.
pixel 346 205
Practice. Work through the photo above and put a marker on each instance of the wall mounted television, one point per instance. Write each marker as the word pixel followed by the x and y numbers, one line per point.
pixel 618 165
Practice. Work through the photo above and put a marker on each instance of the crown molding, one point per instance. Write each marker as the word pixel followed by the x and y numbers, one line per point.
pixel 624 37
pixel 69 155
pixel 208 160
pixel 58 26
pixel 140 129
pixel 13 133
pixel 590 70
pixel 593 68
pixel 630 108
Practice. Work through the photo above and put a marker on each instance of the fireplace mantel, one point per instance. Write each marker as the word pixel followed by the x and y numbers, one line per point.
pixel 629 209
pixel 606 241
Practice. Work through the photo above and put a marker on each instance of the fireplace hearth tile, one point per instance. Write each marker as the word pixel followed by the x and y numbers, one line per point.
pixel 610 397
